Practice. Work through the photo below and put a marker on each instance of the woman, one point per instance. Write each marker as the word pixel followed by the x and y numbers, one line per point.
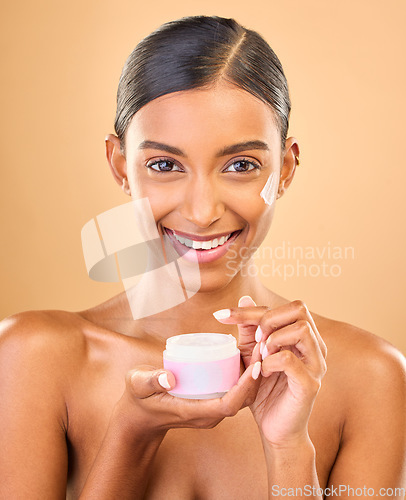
pixel 201 124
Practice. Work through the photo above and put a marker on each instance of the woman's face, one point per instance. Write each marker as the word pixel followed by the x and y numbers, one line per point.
pixel 202 157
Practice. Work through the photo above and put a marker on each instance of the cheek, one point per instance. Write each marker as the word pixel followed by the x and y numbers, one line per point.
pixel 251 207
pixel 255 212
pixel 264 223
pixel 260 224
pixel 163 198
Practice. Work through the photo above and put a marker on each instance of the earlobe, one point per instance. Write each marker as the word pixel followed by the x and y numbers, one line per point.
pixel 117 162
pixel 290 162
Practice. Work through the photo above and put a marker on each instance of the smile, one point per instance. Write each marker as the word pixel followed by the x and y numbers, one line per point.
pixel 202 245
pixel 208 248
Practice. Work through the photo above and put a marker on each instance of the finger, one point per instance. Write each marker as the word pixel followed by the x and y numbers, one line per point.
pixel 246 301
pixel 200 413
pixel 320 340
pixel 144 381
pixel 244 392
pixel 270 320
pixel 256 354
pixel 302 336
pixel 300 381
pixel 240 395
pixel 288 314
pixel 246 333
pixel 242 315
pixel 303 312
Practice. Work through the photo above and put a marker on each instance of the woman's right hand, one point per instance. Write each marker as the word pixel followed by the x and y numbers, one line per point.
pixel 148 407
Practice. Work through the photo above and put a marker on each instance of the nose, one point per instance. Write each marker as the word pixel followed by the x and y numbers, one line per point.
pixel 202 204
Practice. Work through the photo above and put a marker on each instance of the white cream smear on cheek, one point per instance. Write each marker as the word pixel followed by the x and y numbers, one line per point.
pixel 268 193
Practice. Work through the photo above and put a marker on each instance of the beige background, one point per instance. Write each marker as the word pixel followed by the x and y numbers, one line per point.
pixel 344 61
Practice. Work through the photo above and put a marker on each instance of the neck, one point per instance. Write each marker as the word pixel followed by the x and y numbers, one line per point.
pixel 188 316
pixel 196 313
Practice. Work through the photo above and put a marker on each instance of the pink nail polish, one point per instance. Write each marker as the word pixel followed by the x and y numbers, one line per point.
pixel 258 334
pixel 246 297
pixel 163 381
pixel 256 370
pixel 222 314
pixel 264 352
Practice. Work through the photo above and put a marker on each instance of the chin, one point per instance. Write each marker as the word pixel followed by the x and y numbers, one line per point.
pixel 213 280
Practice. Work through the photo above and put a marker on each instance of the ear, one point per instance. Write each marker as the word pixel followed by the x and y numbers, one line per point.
pixel 117 162
pixel 290 162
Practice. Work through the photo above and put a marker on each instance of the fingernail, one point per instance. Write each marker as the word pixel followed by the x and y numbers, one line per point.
pixel 261 347
pixel 256 370
pixel 258 334
pixel 246 297
pixel 163 381
pixel 222 314
pixel 264 352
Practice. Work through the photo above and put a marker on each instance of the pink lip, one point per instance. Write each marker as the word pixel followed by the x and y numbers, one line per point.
pixel 202 256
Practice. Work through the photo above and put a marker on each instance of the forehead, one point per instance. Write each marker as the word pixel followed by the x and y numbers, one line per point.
pixel 223 114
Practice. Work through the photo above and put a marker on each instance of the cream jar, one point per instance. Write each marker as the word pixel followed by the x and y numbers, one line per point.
pixel 205 365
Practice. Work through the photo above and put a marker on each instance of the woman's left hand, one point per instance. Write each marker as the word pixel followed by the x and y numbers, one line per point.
pixel 293 365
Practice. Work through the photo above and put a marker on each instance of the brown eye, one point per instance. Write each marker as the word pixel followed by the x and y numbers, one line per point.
pixel 164 166
pixel 242 166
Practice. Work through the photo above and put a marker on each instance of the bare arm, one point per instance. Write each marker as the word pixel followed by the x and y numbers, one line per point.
pixel 372 454
pixel 34 370
pixel 33 461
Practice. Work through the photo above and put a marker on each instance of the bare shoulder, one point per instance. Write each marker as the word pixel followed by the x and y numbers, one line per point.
pixel 47 329
pixel 350 342
pixel 45 340
pixel 40 352
pixel 361 362
pixel 365 386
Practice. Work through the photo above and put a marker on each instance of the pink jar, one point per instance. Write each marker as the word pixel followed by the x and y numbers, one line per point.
pixel 205 365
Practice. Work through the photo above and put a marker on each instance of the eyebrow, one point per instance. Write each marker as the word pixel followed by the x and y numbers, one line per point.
pixel 228 150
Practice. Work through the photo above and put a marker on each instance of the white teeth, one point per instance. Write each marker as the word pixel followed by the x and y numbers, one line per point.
pixel 205 245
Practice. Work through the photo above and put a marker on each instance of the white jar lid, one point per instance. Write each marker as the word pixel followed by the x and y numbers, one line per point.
pixel 200 347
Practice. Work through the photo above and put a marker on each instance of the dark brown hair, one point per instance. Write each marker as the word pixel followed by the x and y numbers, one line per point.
pixel 195 52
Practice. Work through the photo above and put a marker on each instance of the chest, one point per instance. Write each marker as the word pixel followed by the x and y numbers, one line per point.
pixel 226 462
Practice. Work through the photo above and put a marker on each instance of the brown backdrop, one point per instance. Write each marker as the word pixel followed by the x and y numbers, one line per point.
pixel 344 61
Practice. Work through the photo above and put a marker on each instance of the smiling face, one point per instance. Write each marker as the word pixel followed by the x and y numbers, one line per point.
pixel 202 157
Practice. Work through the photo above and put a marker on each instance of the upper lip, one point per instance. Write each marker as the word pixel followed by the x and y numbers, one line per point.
pixel 197 237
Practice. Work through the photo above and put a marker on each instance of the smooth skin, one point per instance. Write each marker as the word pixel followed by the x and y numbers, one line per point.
pixel 81 407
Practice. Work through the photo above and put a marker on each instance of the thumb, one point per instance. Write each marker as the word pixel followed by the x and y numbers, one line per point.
pixel 144 381
pixel 246 333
